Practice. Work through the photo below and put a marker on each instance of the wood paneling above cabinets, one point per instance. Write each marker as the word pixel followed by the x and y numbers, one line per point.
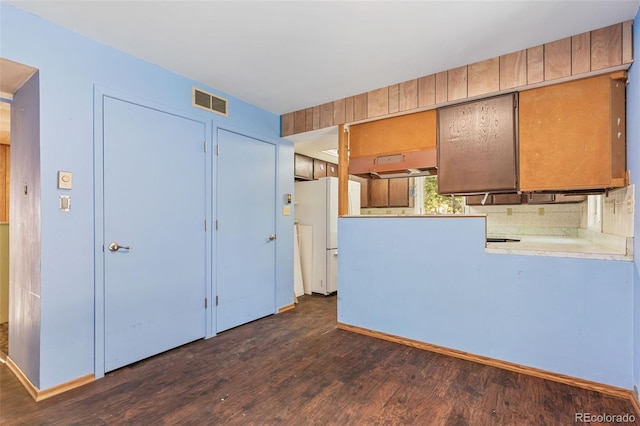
pixel 513 70
pixel 557 59
pixel 595 51
pixel 484 77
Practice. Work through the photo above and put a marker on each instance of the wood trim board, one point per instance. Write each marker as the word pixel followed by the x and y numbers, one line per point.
pixel 505 365
pixel 39 395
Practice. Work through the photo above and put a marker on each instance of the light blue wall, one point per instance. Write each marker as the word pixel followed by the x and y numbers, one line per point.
pixel 633 164
pixel 429 279
pixel 69 67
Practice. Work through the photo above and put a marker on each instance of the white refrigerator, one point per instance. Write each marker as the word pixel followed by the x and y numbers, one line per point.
pixel 316 205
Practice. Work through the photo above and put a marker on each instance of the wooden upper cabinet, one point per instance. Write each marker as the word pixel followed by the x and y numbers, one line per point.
pixel 572 135
pixel 388 193
pixel 477 148
pixel 319 168
pixel 379 193
pixel 399 192
pixel 303 167
pixel 405 133
pixel 332 170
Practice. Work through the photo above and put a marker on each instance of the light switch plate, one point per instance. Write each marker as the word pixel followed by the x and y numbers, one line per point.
pixel 65 203
pixel 65 180
pixel 286 210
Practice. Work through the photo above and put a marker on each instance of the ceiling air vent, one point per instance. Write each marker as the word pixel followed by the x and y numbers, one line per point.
pixel 209 101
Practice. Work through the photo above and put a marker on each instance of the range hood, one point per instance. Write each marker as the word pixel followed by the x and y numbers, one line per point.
pixel 406 164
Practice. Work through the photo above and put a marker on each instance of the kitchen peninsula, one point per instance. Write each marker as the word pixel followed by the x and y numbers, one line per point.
pixel 432 280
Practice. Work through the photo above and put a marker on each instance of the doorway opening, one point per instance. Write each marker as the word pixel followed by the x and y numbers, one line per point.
pixel 13 77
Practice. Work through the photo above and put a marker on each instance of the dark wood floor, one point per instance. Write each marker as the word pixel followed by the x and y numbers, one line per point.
pixel 297 368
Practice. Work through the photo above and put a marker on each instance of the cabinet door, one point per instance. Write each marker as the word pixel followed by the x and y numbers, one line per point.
pixel 477 146
pixel 506 199
pixel 303 167
pixel 411 132
pixel 566 135
pixel 399 192
pixel 379 193
pixel 476 200
pixel 319 168
pixel 332 170
pixel 494 199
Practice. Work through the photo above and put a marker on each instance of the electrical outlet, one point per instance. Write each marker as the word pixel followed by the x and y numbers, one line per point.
pixel 541 211
pixel 509 211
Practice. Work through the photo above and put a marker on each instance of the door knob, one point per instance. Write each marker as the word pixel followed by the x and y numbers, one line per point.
pixel 116 247
pixel 272 237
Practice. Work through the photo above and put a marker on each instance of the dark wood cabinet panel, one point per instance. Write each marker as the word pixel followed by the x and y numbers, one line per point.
pixel 364 193
pixel 477 146
pixel 506 199
pixel 494 200
pixel 319 168
pixel 399 192
pixel 303 167
pixel 308 168
pixel 554 198
pixel 475 200
pixel 379 193
pixel 386 193
pixel 515 199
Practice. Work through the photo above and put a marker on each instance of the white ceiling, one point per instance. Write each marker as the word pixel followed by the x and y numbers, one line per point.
pixel 287 55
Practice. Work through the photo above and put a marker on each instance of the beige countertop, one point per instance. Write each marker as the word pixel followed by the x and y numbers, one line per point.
pixel 571 243
pixel 559 246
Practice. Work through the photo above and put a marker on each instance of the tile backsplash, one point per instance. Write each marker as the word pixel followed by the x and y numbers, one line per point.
pixel 561 219
pixel 527 219
pixel 617 212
